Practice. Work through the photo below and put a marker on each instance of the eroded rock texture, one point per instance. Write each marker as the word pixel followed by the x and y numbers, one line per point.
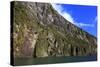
pixel 39 31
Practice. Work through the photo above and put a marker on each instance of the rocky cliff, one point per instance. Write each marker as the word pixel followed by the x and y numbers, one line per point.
pixel 39 31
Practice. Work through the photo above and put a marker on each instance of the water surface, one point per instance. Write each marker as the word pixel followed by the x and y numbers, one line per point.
pixel 52 60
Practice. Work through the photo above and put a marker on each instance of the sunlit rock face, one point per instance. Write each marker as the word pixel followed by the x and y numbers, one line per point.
pixel 39 31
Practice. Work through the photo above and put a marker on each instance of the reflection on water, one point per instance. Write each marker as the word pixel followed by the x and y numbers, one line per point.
pixel 51 60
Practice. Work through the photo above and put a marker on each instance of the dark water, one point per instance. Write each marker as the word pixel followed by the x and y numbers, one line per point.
pixel 52 60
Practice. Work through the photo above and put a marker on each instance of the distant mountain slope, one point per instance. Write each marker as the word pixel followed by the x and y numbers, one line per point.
pixel 39 31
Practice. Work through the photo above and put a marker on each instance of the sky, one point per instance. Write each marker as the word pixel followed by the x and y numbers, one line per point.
pixel 83 16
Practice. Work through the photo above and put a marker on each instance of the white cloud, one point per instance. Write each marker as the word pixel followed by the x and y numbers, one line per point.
pixel 68 16
pixel 65 14
pixel 95 20
pixel 84 25
pixel 87 25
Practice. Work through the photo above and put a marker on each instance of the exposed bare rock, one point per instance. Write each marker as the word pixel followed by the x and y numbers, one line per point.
pixel 39 31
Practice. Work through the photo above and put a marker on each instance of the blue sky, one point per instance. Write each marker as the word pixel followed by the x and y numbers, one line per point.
pixel 82 16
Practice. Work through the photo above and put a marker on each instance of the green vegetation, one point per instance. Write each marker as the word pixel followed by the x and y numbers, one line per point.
pixel 52 39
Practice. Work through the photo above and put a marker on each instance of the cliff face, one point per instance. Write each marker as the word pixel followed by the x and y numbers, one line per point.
pixel 39 31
